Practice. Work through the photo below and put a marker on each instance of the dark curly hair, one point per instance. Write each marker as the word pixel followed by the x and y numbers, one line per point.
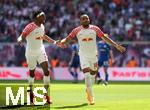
pixel 35 13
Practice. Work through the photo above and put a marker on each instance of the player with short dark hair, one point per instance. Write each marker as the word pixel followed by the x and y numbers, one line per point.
pixel 86 35
pixel 34 33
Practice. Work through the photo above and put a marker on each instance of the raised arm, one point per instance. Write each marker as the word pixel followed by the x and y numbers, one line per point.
pixel 26 31
pixel 68 38
pixel 71 35
pixel 49 40
pixel 111 42
pixel 105 38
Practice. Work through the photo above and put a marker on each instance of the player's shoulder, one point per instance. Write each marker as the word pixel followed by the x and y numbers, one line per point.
pixel 31 25
pixel 29 28
pixel 78 28
pixel 94 26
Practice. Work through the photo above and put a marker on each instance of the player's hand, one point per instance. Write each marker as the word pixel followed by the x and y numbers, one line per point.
pixel 63 41
pixel 19 41
pixel 121 48
pixel 59 44
pixel 56 42
pixel 63 45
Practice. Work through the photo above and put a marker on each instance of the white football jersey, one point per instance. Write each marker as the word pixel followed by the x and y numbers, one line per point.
pixel 31 33
pixel 87 39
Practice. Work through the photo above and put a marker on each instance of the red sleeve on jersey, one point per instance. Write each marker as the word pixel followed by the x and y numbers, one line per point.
pixel 74 32
pixel 29 28
pixel 98 31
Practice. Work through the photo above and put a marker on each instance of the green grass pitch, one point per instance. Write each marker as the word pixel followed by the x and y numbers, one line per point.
pixel 68 96
pixel 111 97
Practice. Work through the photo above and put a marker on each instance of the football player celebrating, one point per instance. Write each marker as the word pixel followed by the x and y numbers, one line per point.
pixel 86 35
pixel 34 33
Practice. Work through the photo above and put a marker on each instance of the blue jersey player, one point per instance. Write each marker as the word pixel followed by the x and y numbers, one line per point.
pixel 104 54
pixel 74 62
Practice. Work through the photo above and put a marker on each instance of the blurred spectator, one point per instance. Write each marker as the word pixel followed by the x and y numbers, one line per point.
pixel 15 56
pixel 54 62
pixel 124 20
pixel 24 64
pixel 1 65
pixel 63 64
pixel 132 62
pixel 148 63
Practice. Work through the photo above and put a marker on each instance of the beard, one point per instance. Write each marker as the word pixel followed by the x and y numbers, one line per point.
pixel 86 24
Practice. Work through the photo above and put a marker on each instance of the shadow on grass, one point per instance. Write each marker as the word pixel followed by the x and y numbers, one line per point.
pixel 25 105
pixel 73 106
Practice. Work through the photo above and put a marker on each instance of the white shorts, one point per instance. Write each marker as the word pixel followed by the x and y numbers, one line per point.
pixel 91 63
pixel 33 59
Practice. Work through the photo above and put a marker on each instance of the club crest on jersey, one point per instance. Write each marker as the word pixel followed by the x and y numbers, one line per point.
pixel 87 39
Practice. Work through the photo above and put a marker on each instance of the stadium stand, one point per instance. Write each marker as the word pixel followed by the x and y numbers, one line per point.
pixel 125 21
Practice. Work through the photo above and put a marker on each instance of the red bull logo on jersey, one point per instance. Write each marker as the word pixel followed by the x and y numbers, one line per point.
pixel 87 39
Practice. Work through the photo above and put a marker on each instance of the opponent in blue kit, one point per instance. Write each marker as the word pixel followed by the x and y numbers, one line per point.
pixel 104 54
pixel 74 62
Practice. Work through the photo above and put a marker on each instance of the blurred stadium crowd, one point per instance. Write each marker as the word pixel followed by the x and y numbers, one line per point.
pixel 124 20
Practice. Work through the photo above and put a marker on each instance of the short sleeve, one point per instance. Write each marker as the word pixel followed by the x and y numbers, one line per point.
pixel 28 29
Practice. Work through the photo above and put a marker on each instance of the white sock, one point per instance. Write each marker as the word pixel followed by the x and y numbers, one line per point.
pixel 93 78
pixel 88 82
pixel 46 81
pixel 30 80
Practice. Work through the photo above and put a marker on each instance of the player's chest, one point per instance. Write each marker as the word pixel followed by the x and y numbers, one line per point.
pixel 86 35
pixel 38 32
